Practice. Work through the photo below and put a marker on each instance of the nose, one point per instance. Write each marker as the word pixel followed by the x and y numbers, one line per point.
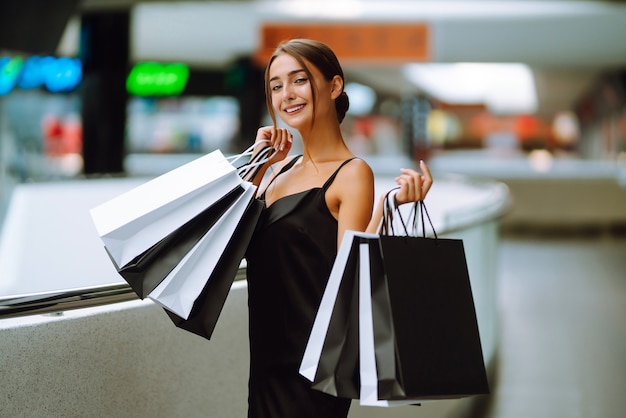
pixel 288 92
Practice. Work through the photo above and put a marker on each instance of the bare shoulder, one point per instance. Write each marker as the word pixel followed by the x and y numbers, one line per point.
pixel 351 195
pixel 357 170
pixel 354 179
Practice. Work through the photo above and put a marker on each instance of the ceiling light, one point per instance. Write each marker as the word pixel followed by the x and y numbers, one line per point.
pixel 503 88
pixel 329 9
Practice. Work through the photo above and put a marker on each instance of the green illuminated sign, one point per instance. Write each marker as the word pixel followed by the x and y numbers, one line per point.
pixel 155 79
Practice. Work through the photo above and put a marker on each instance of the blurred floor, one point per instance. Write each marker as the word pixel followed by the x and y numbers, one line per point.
pixel 563 328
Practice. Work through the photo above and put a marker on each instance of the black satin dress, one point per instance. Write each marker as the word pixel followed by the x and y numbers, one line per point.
pixel 288 263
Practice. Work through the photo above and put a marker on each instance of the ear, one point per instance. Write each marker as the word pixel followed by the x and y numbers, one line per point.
pixel 336 86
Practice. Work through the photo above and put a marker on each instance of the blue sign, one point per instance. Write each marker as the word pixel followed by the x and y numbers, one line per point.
pixel 55 74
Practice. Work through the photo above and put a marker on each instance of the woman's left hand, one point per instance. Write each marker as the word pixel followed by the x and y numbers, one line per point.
pixel 414 186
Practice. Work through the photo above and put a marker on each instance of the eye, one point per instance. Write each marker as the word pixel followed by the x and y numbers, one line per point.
pixel 276 87
pixel 301 80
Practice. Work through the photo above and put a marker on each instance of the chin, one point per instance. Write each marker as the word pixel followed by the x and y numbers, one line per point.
pixel 294 123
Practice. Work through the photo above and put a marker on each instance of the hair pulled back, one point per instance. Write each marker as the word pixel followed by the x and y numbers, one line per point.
pixel 319 55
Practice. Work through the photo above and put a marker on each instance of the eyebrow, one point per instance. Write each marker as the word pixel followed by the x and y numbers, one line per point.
pixel 301 70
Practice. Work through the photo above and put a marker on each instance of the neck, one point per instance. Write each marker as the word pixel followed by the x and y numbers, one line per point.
pixel 323 142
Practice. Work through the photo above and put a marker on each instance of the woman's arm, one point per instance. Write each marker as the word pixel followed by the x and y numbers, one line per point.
pixel 355 191
pixel 354 188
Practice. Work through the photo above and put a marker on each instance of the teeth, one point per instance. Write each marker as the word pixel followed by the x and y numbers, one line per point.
pixel 293 109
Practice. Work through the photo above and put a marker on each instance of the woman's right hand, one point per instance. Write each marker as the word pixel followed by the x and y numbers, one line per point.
pixel 279 138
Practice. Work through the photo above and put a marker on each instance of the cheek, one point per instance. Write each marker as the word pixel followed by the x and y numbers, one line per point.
pixel 275 100
pixel 305 91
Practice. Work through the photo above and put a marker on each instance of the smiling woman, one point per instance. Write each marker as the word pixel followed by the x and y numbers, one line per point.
pixel 300 75
pixel 311 200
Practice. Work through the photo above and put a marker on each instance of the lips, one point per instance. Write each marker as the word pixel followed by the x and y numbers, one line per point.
pixel 294 109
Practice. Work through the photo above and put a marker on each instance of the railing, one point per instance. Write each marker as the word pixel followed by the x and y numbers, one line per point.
pixel 493 203
pixel 53 302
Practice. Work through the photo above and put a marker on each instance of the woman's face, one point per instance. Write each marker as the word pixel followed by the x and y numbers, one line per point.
pixel 292 92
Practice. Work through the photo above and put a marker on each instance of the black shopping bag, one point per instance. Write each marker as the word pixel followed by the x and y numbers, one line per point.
pixel 183 285
pixel 208 306
pixel 417 332
pixel 389 383
pixel 147 270
pixel 331 357
pixel 436 340
pixel 338 368
pixel 179 290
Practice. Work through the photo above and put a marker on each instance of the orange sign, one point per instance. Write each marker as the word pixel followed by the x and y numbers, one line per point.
pixel 370 42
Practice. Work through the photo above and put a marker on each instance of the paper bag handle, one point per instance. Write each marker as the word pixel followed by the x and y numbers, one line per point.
pixel 390 208
pixel 250 169
pixel 248 151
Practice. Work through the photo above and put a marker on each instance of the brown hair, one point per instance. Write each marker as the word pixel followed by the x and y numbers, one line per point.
pixel 318 54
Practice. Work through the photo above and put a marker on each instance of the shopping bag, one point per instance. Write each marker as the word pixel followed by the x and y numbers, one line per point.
pixel 336 371
pixel 181 287
pixel 208 306
pixel 147 270
pixel 376 335
pixel 418 336
pixel 133 222
pixel 434 351
pixel 437 348
pixel 335 329
pixel 346 373
pixel 333 359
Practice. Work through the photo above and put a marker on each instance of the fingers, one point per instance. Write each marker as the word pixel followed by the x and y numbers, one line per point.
pixel 263 137
pixel 264 134
pixel 278 138
pixel 281 139
pixel 413 185
pixel 427 178
pixel 410 182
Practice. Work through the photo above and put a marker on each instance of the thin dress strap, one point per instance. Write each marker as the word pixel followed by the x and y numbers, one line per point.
pixel 282 170
pixel 332 177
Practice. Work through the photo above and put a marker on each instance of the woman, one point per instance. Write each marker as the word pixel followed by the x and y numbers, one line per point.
pixel 310 201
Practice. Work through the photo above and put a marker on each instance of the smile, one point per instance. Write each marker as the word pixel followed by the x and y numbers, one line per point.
pixel 294 109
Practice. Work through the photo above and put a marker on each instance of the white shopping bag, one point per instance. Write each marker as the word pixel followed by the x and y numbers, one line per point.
pixel 131 223
pixel 367 356
pixel 180 289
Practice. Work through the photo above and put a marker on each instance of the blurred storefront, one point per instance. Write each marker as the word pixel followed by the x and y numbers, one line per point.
pixel 100 108
pixel 602 114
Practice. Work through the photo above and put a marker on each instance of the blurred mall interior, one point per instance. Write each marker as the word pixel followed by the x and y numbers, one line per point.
pixel 519 108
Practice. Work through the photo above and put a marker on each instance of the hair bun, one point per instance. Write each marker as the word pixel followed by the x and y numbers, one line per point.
pixel 342 104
